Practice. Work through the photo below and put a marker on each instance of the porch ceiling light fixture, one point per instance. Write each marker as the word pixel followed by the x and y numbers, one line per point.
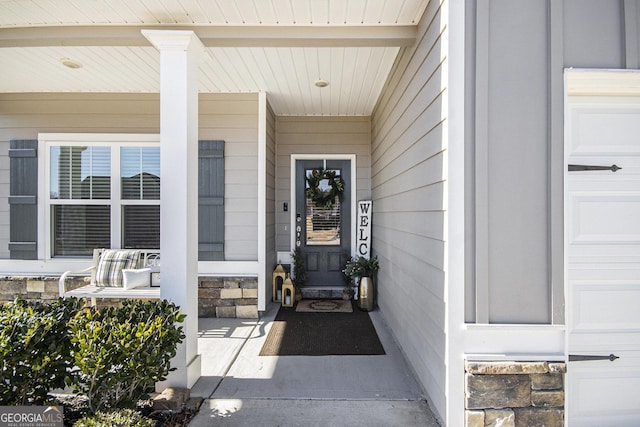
pixel 70 63
pixel 321 83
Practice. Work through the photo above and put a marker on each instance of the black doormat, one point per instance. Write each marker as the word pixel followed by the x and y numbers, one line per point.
pixel 322 334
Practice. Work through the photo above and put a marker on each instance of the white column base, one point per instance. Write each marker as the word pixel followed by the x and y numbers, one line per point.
pixel 193 372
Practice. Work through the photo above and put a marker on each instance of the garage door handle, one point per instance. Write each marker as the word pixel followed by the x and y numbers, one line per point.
pixel 584 358
pixel 575 168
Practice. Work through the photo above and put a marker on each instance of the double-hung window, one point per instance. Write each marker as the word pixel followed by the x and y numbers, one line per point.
pixel 103 193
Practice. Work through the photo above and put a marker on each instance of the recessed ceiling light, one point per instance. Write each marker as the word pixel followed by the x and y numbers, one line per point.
pixel 321 83
pixel 71 63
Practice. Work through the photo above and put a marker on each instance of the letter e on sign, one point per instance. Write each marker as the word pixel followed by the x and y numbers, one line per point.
pixel 364 229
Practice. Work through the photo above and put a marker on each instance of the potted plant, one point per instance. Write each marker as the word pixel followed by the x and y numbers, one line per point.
pixel 362 270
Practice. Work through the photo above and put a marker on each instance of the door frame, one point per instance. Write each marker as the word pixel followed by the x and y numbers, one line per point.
pixel 292 196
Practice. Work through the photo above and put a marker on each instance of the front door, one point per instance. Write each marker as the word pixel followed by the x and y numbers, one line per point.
pixel 323 225
pixel 602 235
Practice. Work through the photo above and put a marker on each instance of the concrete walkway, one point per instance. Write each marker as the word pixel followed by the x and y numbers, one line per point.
pixel 244 389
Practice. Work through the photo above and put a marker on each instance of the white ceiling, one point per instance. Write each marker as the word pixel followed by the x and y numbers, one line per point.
pixel 280 47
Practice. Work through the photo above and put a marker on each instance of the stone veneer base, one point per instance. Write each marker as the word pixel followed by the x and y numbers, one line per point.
pixel 514 394
pixel 217 296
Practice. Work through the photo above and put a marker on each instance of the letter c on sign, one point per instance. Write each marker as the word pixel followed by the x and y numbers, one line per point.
pixel 362 249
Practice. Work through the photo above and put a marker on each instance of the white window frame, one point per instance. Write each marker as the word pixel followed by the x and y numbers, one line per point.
pixel 115 141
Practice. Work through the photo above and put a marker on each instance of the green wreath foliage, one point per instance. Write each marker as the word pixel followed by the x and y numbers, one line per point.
pixel 320 197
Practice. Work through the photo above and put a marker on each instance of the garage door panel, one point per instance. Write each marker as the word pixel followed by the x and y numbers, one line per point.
pixel 612 254
pixel 605 306
pixel 602 271
pixel 598 218
pixel 604 182
pixel 603 343
pixel 594 395
pixel 608 128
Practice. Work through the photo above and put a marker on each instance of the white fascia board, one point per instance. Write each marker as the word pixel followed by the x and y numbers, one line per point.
pixel 514 339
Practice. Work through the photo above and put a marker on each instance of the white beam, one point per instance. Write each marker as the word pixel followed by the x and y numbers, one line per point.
pixel 180 54
pixel 215 36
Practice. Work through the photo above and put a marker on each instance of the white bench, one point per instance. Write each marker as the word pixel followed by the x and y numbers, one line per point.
pixel 149 259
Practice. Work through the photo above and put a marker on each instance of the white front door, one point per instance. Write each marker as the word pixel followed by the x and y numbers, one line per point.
pixel 602 250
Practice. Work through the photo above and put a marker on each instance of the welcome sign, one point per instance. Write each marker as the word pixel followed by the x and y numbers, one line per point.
pixel 364 229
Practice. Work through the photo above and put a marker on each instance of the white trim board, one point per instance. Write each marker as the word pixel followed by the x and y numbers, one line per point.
pixel 56 266
pixel 514 339
pixel 262 200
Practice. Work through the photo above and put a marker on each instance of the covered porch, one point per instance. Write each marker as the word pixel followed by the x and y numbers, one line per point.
pixel 248 78
pixel 242 388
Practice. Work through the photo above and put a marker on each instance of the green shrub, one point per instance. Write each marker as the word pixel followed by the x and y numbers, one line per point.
pixel 34 349
pixel 121 352
pixel 118 418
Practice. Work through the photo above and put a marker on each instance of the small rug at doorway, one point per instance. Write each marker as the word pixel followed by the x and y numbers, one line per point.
pixel 322 334
pixel 324 306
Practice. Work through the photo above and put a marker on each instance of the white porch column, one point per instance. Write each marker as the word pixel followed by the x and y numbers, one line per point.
pixel 180 53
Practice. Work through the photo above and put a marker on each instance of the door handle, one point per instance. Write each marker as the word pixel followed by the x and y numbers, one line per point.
pixel 585 358
pixel 575 168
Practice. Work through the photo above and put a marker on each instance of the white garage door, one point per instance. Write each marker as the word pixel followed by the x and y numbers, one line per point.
pixel 602 236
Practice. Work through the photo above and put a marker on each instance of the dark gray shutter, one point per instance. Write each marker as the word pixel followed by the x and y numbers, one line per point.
pixel 211 200
pixel 23 207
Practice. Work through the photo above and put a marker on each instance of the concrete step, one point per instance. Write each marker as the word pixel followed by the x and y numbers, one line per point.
pixel 321 292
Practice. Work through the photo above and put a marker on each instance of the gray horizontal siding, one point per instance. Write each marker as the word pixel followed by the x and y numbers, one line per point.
pixel 229 117
pixel 407 186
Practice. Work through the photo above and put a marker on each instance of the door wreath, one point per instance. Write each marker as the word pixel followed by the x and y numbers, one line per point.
pixel 324 197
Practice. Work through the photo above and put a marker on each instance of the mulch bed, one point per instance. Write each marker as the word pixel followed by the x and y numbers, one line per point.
pixel 75 407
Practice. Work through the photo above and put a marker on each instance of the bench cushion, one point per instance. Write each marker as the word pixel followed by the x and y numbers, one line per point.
pixel 111 264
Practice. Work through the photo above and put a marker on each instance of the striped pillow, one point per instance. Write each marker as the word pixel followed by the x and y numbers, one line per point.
pixel 111 264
